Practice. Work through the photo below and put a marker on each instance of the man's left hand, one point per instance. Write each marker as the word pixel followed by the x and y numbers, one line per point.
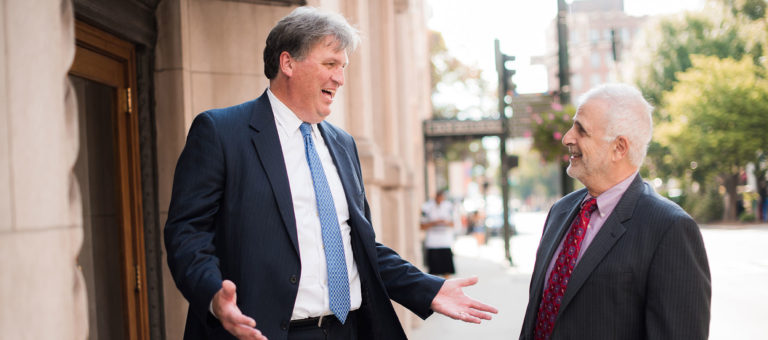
pixel 451 302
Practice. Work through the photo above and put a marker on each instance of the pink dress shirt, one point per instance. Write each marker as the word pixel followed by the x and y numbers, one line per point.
pixel 606 202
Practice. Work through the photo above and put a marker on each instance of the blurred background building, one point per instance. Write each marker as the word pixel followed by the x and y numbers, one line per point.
pixel 600 33
pixel 96 97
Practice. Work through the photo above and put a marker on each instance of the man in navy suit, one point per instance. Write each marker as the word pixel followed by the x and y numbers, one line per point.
pixel 616 260
pixel 269 232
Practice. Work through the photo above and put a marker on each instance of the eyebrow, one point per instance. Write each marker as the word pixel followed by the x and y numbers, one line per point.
pixel 580 127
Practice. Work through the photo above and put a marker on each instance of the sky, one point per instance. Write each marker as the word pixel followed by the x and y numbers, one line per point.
pixel 470 27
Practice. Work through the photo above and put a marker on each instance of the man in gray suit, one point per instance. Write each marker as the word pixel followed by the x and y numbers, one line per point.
pixel 616 260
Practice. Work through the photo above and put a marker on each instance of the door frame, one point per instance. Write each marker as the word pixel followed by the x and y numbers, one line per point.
pixel 106 59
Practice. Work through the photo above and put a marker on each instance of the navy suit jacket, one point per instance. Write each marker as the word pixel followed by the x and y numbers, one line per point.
pixel 231 217
pixel 644 276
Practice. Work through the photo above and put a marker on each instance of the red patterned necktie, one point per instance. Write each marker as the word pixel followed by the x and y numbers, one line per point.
pixel 561 271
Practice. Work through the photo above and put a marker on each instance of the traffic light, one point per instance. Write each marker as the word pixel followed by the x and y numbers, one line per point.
pixel 509 85
pixel 505 72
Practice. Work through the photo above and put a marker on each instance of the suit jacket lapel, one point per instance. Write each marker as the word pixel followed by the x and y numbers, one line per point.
pixel 352 184
pixel 343 163
pixel 606 238
pixel 270 153
pixel 561 222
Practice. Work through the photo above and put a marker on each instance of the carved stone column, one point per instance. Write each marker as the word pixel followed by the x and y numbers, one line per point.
pixel 40 210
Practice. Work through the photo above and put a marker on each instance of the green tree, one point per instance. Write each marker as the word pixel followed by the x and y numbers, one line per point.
pixel 717 120
pixel 450 76
pixel 535 178
pixel 729 29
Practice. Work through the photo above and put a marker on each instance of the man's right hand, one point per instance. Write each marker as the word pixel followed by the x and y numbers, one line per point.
pixel 235 322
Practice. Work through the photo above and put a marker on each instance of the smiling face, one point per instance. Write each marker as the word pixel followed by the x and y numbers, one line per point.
pixel 590 152
pixel 313 81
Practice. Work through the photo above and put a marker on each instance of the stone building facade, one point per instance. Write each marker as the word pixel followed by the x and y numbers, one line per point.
pixel 96 98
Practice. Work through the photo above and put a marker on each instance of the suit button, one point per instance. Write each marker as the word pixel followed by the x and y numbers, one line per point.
pixel 293 279
pixel 284 325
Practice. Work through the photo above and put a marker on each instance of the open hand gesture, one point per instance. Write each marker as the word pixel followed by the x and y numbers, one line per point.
pixel 235 322
pixel 451 302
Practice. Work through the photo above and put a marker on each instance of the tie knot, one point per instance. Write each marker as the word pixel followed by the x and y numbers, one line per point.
pixel 589 205
pixel 306 129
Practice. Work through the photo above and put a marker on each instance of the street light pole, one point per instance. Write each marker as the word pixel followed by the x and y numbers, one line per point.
pixel 564 71
pixel 504 87
pixel 564 75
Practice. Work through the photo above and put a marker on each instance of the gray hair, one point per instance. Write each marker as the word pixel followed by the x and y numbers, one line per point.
pixel 300 30
pixel 628 115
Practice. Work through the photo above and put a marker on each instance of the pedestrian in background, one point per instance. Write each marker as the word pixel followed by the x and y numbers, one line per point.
pixel 476 226
pixel 269 232
pixel 437 221
pixel 616 260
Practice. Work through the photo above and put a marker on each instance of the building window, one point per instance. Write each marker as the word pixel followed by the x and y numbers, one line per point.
pixel 595 59
pixel 594 35
pixel 576 62
pixel 625 35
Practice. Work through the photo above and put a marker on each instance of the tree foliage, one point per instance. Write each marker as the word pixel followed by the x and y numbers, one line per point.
pixel 450 76
pixel 717 119
pixel 727 30
pixel 672 42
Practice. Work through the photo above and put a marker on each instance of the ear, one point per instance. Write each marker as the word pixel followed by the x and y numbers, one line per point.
pixel 620 148
pixel 286 63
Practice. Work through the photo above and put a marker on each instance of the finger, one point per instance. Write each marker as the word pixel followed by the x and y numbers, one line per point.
pixel 469 281
pixel 483 307
pixel 231 314
pixel 479 314
pixel 466 317
pixel 228 289
pixel 248 333
pixel 241 319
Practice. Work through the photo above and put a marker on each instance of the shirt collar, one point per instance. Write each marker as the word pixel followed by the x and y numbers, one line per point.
pixel 608 200
pixel 284 116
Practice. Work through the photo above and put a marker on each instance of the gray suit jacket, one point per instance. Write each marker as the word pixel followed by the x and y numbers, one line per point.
pixel 644 276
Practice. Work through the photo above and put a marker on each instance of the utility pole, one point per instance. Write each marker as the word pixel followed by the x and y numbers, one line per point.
pixel 564 75
pixel 564 71
pixel 505 86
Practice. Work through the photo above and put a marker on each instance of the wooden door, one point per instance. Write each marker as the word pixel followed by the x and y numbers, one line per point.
pixel 112 257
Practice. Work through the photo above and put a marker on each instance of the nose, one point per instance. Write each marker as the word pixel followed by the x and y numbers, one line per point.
pixel 338 76
pixel 568 137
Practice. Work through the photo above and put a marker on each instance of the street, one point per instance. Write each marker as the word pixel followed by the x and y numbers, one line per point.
pixel 736 256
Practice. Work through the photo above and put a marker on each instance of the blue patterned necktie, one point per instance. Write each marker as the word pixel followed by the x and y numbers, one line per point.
pixel 338 282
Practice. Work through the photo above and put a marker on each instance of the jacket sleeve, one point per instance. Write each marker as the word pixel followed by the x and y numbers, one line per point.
pixel 405 284
pixel 679 285
pixel 189 231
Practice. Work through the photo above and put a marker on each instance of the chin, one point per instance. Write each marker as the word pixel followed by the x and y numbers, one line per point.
pixel 324 111
pixel 574 173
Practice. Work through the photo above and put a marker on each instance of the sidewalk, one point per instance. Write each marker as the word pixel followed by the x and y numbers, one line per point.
pixel 501 285
pixel 737 262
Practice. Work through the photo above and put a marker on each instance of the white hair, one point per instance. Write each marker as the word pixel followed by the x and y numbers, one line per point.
pixel 628 114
